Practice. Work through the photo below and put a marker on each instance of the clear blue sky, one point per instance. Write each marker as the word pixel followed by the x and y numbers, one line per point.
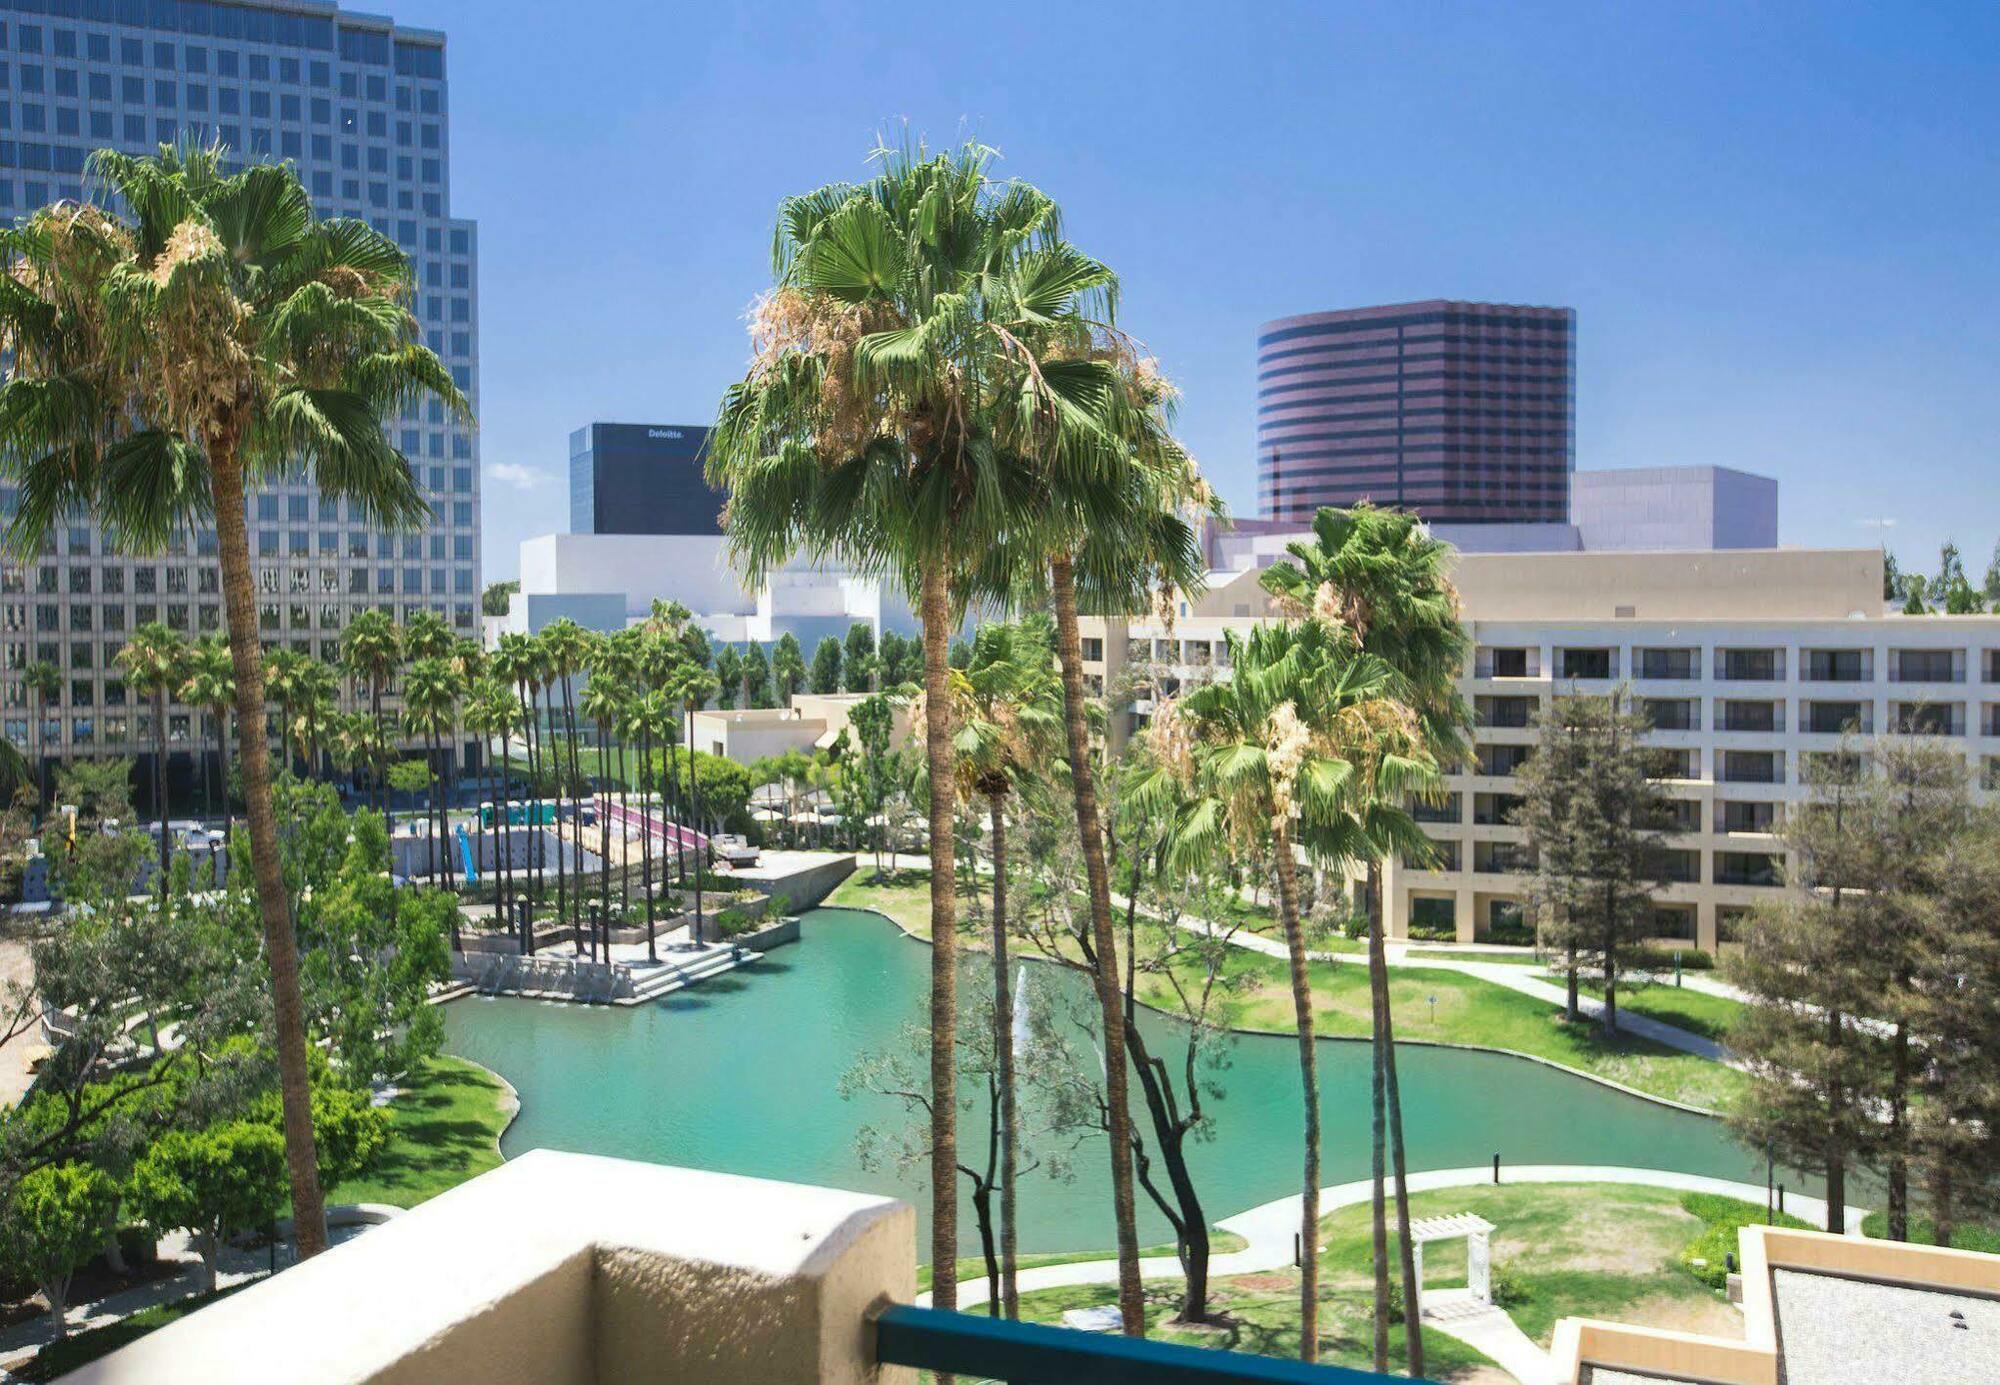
pixel 1777 223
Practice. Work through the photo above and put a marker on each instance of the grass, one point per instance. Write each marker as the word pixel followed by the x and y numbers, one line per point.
pixel 1469 1010
pixel 974 1268
pixel 1504 959
pixel 1924 1232
pixel 1706 1257
pixel 1698 1012
pixel 58 1359
pixel 443 1129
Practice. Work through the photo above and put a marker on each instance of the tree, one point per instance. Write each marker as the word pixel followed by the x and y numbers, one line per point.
pixel 492 714
pixel 1990 587
pixel 729 675
pixel 1278 756
pixel 208 681
pixel 211 1182
pixel 566 651
pixel 1595 822
pixel 44 680
pixel 826 666
pixel 153 662
pixel 223 333
pixel 498 596
pixel 861 666
pixel 756 674
pixel 1804 1035
pixel 371 651
pixel 53 1222
pixel 788 667
pixel 1949 577
pixel 431 692
pixel 873 722
pixel 1892 577
pixel 1008 714
pixel 1382 579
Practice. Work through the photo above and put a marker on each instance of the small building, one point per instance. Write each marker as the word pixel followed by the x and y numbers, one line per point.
pixel 814 721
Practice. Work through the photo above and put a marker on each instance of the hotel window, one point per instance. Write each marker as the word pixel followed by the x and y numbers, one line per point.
pixel 1732 815
pixel 1587 663
pixel 1752 767
pixel 1747 868
pixel 1752 665
pixel 1672 713
pixel 1667 663
pixel 1927 666
pixel 1734 715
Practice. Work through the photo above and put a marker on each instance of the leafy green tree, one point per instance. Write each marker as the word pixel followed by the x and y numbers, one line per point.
pixel 729 675
pixel 1990 587
pixel 208 681
pixel 1892 577
pixel 788 668
pixel 498 596
pixel 1949 577
pixel 756 676
pixel 210 1183
pixel 53 1222
pixel 859 663
pixel 826 666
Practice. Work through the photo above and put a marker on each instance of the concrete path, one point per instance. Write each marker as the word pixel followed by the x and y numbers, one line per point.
pixel 1269 1230
pixel 1491 1332
pixel 1510 975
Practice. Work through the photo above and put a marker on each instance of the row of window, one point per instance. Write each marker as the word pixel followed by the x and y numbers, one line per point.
pixel 1680 865
pixel 1684 814
pixel 1760 665
pixel 165 56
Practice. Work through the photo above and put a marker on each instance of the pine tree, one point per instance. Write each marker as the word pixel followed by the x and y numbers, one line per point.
pixel 1595 822
pixel 826 666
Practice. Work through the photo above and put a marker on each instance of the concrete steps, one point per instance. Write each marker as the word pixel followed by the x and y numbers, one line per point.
pixel 675 973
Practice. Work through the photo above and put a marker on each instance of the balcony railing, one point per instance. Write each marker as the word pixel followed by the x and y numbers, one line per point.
pixel 1836 665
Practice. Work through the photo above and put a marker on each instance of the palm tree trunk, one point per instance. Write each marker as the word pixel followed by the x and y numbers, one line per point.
pixel 1295 951
pixel 1378 986
pixel 694 816
pixel 646 842
pixel 1104 941
pixel 1003 1052
pixel 280 946
pixel 669 775
pixel 160 780
pixel 222 761
pixel 567 788
pixel 604 842
pixel 936 613
pixel 625 825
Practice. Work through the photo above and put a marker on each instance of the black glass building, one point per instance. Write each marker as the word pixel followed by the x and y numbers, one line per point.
pixel 641 478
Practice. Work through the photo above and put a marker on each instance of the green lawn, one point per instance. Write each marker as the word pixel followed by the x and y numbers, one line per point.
pixel 1503 959
pixel 443 1129
pixel 973 1268
pixel 1698 1012
pixel 1924 1232
pixel 1468 1010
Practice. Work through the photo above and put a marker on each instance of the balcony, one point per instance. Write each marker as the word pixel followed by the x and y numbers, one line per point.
pixel 1750 665
pixel 1502 761
pixel 1507 663
pixel 1838 718
pixel 1672 713
pixel 1732 815
pixel 1837 665
pixel 1501 858
pixel 1495 809
pixel 1667 665
pixel 1750 716
pixel 1752 767
pixel 1508 713
pixel 571 1269
pixel 1445 810
pixel 1926 666
pixel 1747 868
pixel 1927 718
pixel 1587 663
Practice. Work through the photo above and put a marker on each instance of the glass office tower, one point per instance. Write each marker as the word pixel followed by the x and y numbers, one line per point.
pixel 1463 412
pixel 361 107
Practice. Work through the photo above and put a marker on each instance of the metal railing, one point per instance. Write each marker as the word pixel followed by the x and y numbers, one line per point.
pixel 976 1347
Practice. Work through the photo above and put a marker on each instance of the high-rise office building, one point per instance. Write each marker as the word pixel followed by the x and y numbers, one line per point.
pixel 1463 412
pixel 360 106
pixel 641 478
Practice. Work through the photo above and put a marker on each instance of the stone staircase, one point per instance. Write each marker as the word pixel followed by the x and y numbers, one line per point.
pixel 549 977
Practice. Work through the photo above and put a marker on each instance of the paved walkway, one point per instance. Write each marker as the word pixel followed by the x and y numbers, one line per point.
pixel 1491 1332
pixel 1269 1230
pixel 1508 974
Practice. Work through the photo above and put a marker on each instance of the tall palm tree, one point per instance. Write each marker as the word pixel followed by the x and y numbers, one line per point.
pixel 1008 710
pixel 44 680
pixel 693 686
pixel 652 718
pixel 283 668
pixel 868 430
pixel 1268 760
pixel 489 707
pixel 370 653
pixel 618 661
pixel 566 653
pixel 315 700
pixel 603 704
pixel 154 661
pixel 431 690
pixel 1382 577
pixel 222 333
pixel 519 661
pixel 426 636
pixel 208 681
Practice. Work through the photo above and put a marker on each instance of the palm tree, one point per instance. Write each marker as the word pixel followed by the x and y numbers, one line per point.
pixel 223 332
pixel 431 690
pixel 693 685
pixel 1386 581
pixel 652 718
pixel 315 700
pixel 153 661
pixel 868 431
pixel 208 681
pixel 603 704
pixel 426 636
pixel 566 653
pixel 371 653
pixel 1008 706
pixel 44 680
pixel 519 661
pixel 788 668
pixel 283 668
pixel 1272 756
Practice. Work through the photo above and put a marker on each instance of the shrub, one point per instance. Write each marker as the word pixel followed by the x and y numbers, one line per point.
pixel 1923 1231
pixel 1705 1256
pixel 1661 960
pixel 731 923
pixel 1432 932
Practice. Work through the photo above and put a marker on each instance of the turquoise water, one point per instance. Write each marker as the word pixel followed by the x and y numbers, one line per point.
pixel 740 1074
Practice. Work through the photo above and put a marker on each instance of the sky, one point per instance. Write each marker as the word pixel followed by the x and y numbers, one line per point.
pixel 1777 223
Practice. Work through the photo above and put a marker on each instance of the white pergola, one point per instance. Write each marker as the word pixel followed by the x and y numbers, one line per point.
pixel 1478 1233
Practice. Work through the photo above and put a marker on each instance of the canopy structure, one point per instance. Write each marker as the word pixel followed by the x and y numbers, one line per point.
pixel 1477 1232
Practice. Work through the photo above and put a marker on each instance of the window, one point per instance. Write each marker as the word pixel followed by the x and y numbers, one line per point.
pixel 1752 665
pixel 1672 713
pixel 1927 666
pixel 1503 760
pixel 1836 666
pixel 1588 663
pixel 1506 712
pixel 1750 716
pixel 1668 663
pixel 1746 868
pixel 1741 816
pixel 1445 809
pixel 1928 718
pixel 1495 809
pixel 1836 718
pixel 1752 767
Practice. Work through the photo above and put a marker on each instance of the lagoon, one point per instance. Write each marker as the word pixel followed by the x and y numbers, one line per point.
pixel 741 1073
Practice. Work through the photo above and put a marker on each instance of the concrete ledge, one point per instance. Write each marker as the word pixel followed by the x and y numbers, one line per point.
pixel 566 1269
